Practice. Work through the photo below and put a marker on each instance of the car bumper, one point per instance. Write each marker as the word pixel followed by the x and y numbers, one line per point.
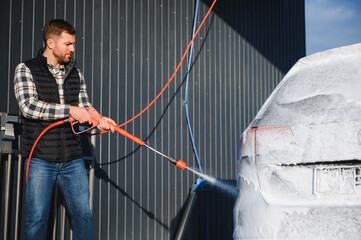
pixel 298 202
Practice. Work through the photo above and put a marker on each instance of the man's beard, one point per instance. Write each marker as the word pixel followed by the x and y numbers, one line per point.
pixel 61 59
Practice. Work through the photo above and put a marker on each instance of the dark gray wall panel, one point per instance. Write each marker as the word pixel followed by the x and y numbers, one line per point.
pixel 127 51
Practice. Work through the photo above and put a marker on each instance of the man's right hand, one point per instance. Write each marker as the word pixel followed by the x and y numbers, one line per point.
pixel 80 114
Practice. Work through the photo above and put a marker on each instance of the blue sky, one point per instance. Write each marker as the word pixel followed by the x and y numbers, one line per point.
pixel 332 23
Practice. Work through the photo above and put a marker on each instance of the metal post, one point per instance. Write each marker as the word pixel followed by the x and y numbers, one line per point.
pixel 17 211
pixel 186 215
pixel 91 173
pixel 55 212
pixel 62 222
pixel 7 196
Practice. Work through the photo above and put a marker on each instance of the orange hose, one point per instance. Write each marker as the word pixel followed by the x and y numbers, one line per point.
pixel 171 78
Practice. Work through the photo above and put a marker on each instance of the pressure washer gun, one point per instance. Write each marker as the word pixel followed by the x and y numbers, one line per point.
pixel 95 116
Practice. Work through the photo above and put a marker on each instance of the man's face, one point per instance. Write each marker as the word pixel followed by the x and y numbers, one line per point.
pixel 63 47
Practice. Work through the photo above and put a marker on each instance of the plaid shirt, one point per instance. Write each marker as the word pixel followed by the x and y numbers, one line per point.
pixel 32 107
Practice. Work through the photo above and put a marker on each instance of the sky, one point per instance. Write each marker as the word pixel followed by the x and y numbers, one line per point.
pixel 331 24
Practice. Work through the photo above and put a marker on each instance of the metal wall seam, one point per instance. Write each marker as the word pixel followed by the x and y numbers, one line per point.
pixel 9 55
pixel 126 117
pixel 156 61
pixel 145 56
pixel 223 100
pixel 148 129
pixel 109 25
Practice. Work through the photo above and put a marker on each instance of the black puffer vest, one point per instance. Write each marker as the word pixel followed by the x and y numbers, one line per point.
pixel 59 144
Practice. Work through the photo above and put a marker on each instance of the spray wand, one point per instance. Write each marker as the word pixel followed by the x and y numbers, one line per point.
pixel 95 116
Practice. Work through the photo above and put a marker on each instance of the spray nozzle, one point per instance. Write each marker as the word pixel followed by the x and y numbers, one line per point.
pixel 180 164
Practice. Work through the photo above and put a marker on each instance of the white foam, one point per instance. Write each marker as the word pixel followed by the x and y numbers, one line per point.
pixel 205 177
pixel 228 188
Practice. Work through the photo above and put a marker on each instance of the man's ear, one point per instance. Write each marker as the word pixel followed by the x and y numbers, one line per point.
pixel 50 43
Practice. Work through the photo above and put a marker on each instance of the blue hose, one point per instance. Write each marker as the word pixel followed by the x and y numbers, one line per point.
pixel 199 181
pixel 186 92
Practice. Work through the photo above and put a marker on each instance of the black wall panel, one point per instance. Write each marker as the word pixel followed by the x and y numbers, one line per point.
pixel 127 51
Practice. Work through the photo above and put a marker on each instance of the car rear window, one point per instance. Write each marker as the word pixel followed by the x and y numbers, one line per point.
pixel 326 92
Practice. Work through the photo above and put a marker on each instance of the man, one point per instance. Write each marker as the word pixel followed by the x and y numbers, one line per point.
pixel 49 88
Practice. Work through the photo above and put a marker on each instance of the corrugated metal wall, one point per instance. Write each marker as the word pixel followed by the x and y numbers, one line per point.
pixel 128 50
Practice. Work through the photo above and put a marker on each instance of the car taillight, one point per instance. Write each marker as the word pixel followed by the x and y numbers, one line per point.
pixel 265 140
pixel 270 139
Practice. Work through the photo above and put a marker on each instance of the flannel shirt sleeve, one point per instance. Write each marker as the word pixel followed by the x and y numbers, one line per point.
pixel 83 95
pixel 27 97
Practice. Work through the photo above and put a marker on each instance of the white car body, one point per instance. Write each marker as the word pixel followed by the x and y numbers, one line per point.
pixel 299 163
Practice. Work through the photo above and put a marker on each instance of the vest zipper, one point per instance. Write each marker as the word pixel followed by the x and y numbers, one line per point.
pixel 70 70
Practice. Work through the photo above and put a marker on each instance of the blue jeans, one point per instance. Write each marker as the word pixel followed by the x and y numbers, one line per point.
pixel 73 182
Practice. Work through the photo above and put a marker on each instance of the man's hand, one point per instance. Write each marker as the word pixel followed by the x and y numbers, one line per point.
pixel 105 126
pixel 80 114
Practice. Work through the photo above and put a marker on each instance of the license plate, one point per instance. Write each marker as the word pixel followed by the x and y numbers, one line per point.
pixel 337 180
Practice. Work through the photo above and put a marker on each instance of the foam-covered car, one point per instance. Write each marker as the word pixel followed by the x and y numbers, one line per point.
pixel 299 161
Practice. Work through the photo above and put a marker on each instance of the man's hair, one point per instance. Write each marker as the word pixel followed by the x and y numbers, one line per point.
pixel 57 26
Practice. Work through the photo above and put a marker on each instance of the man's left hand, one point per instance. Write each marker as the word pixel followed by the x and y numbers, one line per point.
pixel 104 124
